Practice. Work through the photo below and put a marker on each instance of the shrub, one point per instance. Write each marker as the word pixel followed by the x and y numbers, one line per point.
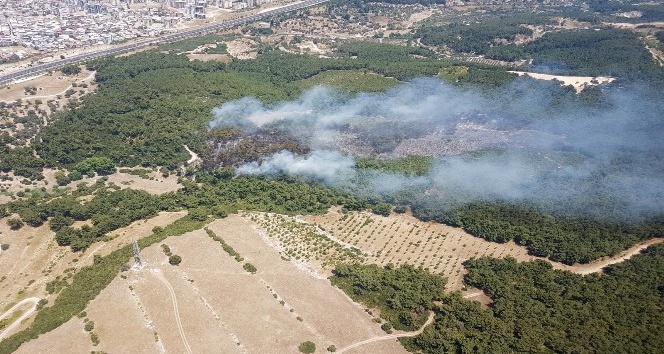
pixel 387 327
pixel 15 223
pixel 89 326
pixel 71 70
pixel 5 246
pixel 307 347
pixel 332 348
pixel 249 268
pixel 174 259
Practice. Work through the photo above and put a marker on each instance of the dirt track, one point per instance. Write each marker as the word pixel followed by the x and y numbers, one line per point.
pixel 388 337
pixel 18 321
pixel 598 265
pixel 176 310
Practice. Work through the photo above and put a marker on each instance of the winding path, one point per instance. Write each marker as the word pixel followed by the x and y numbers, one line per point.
pixel 390 336
pixel 18 321
pixel 598 265
pixel 176 310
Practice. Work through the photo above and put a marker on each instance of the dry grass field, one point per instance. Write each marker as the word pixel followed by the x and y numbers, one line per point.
pixel 34 258
pixel 211 304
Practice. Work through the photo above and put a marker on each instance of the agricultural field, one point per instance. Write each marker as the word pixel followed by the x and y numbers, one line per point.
pixel 364 237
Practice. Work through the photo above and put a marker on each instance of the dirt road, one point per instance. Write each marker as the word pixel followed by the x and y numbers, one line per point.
pixel 18 321
pixel 176 310
pixel 390 336
pixel 598 265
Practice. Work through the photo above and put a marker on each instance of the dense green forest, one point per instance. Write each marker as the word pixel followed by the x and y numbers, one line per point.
pixel 534 308
pixel 596 51
pixel 484 37
pixel 111 208
pixel 138 107
pixel 537 309
pixel 565 239
pixel 404 295
pixel 611 52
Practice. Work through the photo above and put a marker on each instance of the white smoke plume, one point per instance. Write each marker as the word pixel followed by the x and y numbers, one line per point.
pixel 555 153
pixel 320 165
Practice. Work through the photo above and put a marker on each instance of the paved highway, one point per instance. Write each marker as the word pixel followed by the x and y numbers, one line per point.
pixel 198 31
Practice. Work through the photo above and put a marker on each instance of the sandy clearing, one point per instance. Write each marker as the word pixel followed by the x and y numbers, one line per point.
pixel 157 186
pixel 47 86
pixel 657 55
pixel 34 258
pixel 578 82
pixel 241 48
pixel 194 156
pixel 176 310
pixel 324 308
pixel 417 17
pixel 245 308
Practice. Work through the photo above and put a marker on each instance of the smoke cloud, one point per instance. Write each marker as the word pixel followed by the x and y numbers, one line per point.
pixel 320 165
pixel 529 141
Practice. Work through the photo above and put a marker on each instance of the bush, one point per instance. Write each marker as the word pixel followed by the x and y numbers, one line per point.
pixel 249 268
pixel 332 348
pixel 71 70
pixel 5 246
pixel 387 327
pixel 89 326
pixel 15 223
pixel 307 347
pixel 174 259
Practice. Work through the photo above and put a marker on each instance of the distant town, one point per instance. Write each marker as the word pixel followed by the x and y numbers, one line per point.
pixel 46 26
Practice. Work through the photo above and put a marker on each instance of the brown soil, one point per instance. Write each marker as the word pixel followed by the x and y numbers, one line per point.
pixel 221 307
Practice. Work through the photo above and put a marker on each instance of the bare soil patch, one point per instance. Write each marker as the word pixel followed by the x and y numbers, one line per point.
pixel 657 55
pixel 68 338
pixel 578 82
pixel 242 48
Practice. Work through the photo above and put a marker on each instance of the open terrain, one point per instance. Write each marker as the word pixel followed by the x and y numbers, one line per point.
pixel 210 303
